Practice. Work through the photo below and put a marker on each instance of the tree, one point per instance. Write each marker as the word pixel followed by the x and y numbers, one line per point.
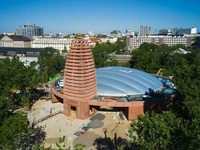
pixel 65 49
pixel 186 104
pixel 101 55
pixel 150 58
pixel 148 47
pixel 145 60
pixel 16 82
pixel 155 131
pixel 60 145
pixel 14 132
pixel 50 62
pixel 120 46
pixel 103 52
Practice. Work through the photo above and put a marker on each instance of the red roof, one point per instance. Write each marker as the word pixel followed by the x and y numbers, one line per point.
pixel 95 39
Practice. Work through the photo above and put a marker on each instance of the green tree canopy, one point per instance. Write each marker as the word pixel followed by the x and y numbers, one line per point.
pixel 155 131
pixel 151 57
pixel 102 52
pixel 16 82
pixel 50 62
pixel 187 104
pixel 178 128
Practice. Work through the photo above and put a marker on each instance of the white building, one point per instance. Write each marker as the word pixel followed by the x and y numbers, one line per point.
pixel 193 30
pixel 109 39
pixel 130 32
pixel 57 43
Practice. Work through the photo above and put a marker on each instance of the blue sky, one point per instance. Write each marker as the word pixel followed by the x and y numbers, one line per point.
pixel 99 16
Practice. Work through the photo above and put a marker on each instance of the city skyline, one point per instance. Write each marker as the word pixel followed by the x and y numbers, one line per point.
pixel 101 16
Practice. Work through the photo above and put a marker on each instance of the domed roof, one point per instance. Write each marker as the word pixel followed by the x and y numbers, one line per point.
pixel 122 81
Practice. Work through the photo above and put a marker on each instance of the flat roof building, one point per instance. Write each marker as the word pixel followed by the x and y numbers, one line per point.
pixel 134 42
pixel 29 31
pixel 57 43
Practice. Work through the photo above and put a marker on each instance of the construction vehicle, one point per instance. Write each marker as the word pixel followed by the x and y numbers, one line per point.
pixel 159 71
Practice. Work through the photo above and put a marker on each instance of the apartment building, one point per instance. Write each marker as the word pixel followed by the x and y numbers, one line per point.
pixel 135 41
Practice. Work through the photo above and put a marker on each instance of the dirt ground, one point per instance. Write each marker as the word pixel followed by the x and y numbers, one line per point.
pixel 60 125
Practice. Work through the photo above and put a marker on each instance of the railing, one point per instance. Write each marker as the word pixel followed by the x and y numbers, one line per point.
pixel 47 117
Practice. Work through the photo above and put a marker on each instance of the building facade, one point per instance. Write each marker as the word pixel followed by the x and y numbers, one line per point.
pixel 187 31
pixel 57 43
pixel 176 31
pixel 135 41
pixel 14 41
pixel 145 30
pixel 29 31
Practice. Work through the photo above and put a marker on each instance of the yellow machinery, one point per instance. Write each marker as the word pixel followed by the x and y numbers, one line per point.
pixel 159 71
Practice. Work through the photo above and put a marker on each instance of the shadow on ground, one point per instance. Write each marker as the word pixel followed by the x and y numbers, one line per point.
pixel 37 135
pixel 112 144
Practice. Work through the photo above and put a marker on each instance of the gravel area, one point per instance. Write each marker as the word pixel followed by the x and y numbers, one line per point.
pixel 61 125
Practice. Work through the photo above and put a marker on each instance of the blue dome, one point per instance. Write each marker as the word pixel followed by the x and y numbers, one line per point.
pixel 122 81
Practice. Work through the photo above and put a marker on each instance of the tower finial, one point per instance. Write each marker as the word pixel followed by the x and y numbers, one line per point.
pixel 79 36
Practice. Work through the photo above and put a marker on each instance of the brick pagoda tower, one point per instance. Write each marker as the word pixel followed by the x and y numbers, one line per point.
pixel 79 79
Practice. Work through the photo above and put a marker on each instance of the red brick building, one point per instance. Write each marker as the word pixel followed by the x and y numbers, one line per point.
pixel 118 88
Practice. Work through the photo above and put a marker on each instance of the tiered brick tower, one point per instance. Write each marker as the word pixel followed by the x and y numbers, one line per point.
pixel 79 79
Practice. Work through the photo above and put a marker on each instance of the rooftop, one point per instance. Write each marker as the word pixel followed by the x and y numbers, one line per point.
pixel 15 37
pixel 122 81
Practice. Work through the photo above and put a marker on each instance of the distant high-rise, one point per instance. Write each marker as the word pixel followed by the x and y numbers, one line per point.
pixel 145 30
pixel 29 31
